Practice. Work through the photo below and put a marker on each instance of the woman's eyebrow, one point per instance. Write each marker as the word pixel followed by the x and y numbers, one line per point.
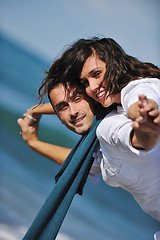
pixel 93 70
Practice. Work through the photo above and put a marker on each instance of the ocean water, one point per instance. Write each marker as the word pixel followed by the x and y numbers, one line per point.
pixel 26 179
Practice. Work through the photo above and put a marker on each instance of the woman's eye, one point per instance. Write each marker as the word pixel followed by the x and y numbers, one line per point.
pixel 96 74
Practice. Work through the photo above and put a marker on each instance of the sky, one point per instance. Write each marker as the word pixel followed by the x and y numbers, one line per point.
pixel 45 27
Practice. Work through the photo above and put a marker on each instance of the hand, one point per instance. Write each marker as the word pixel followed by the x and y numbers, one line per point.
pixel 29 132
pixel 148 118
pixel 32 116
pixel 38 110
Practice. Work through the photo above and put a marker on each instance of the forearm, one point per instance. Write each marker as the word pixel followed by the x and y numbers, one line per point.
pixel 41 109
pixel 144 140
pixel 55 153
pixel 146 123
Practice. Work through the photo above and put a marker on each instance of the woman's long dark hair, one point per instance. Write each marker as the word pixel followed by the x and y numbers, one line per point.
pixel 55 75
pixel 120 67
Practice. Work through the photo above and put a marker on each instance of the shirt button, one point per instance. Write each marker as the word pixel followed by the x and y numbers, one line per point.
pixel 114 170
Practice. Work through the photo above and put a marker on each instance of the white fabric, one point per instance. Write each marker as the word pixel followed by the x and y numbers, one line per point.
pixel 95 169
pixel 157 236
pixel 150 87
pixel 137 171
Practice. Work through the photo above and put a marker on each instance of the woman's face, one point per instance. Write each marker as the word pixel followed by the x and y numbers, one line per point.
pixel 93 78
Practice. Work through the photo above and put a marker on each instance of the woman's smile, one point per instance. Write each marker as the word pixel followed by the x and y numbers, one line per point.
pixel 101 94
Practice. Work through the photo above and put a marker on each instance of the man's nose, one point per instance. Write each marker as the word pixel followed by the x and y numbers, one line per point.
pixel 73 110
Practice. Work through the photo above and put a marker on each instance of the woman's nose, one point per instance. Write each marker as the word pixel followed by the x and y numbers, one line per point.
pixel 93 85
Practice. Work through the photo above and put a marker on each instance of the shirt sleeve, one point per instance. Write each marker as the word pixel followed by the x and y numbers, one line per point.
pixel 149 88
pixel 114 135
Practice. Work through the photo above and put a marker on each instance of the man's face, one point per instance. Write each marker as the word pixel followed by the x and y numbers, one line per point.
pixel 73 107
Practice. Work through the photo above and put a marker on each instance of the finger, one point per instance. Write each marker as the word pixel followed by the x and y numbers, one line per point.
pixel 21 123
pixel 19 120
pixel 143 114
pixel 142 100
pixel 141 119
pixel 28 121
pixel 147 107
pixel 150 107
pixel 135 125
pixel 157 120
pixel 154 113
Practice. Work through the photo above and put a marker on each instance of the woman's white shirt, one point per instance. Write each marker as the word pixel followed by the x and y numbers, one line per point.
pixel 122 165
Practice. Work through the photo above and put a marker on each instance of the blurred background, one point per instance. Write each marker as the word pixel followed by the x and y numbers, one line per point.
pixel 32 34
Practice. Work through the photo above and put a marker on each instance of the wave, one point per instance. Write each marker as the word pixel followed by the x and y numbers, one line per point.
pixel 14 232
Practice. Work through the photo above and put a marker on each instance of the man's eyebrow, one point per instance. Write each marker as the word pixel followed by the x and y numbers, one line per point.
pixel 76 92
pixel 58 105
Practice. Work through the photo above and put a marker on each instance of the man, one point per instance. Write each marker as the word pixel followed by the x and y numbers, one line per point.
pixel 74 109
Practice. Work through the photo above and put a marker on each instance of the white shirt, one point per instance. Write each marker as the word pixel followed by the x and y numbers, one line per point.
pixel 150 87
pixel 121 165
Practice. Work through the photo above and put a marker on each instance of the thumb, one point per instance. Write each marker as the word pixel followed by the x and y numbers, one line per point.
pixel 21 122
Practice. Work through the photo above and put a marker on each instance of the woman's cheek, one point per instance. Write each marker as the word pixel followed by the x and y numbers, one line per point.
pixel 89 93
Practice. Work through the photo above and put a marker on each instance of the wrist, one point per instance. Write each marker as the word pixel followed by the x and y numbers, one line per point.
pixel 144 140
pixel 33 116
pixel 32 142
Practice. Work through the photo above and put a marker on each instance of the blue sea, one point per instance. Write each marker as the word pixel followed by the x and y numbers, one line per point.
pixel 26 178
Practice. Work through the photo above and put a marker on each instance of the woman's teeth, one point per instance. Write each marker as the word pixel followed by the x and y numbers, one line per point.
pixel 101 94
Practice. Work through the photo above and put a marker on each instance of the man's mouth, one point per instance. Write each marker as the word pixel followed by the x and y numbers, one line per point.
pixel 78 121
pixel 101 94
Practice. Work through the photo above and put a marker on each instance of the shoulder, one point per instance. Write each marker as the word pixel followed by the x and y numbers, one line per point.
pixel 142 82
pixel 152 83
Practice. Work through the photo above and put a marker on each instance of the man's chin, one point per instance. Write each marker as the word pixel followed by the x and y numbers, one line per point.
pixel 82 131
pixel 79 130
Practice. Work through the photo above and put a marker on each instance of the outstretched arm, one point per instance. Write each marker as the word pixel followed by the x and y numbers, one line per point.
pixel 146 123
pixel 30 136
pixel 38 110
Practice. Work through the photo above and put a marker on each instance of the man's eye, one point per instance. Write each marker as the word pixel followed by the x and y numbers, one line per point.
pixel 77 98
pixel 62 108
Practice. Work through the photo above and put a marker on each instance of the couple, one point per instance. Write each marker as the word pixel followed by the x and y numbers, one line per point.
pixel 128 155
